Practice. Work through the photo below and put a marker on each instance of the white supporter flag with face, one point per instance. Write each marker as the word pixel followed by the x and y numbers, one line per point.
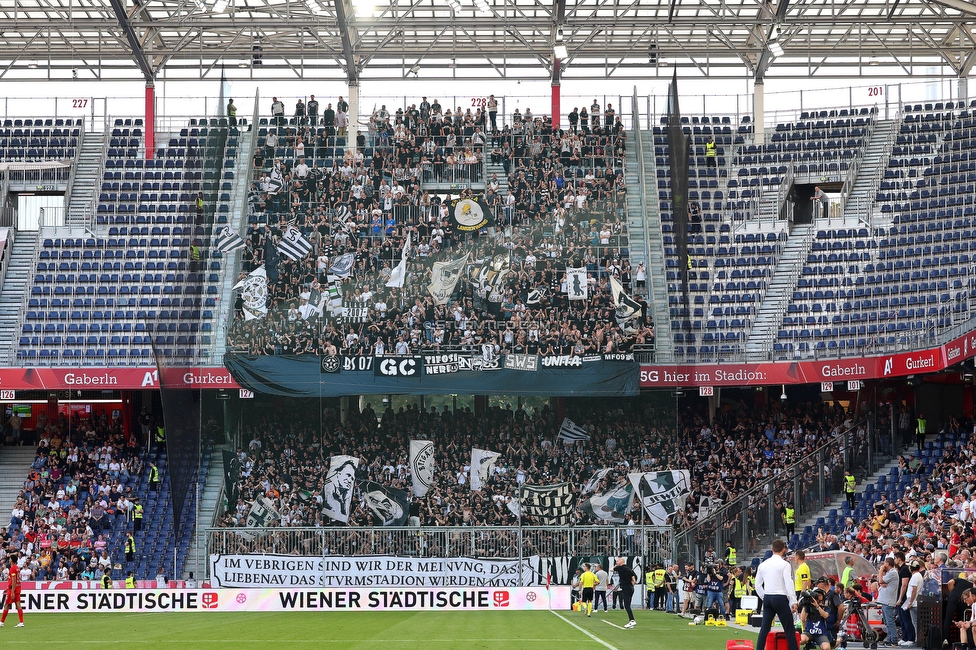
pixel 338 487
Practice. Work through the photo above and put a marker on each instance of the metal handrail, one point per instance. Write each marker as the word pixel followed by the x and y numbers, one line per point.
pixel 720 514
pixel 642 183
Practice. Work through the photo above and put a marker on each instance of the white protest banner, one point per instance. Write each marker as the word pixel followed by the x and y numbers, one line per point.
pixel 249 571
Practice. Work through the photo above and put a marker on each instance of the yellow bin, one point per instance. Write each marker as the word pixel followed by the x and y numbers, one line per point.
pixel 742 616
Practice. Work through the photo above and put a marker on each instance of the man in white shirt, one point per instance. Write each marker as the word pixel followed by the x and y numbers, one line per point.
pixel 774 585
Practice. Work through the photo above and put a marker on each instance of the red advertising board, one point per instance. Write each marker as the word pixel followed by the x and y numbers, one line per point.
pixel 112 378
pixel 901 364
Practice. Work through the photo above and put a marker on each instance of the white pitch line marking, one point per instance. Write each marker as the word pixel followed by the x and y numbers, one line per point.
pixel 586 632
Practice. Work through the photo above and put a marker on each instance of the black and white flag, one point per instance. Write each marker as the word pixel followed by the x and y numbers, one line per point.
pixel 355 312
pixel 611 506
pixel 337 488
pixel 571 432
pixel 594 481
pixel 388 506
pixel 482 464
pixel 293 245
pixel 707 505
pixel 548 505
pixel 444 277
pixel 421 466
pixel 254 293
pixel 661 494
pixel 275 181
pixel 627 311
pixel 576 287
pixel 228 241
pixel 262 513
pixel 342 265
pixel 536 296
pixel 232 477
pixel 342 219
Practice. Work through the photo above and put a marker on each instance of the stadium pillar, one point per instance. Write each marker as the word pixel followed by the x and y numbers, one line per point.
pixel 353 118
pixel 127 418
pixel 150 119
pixel 758 110
pixel 555 93
pixel 962 89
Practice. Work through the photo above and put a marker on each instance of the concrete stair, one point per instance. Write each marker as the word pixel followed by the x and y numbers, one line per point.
pixel 759 345
pixel 15 287
pixel 647 210
pixel 15 464
pixel 84 186
pixel 860 202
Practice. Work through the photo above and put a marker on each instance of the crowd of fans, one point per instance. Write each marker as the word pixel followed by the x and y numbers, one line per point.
pixel 564 207
pixel 82 483
pixel 288 453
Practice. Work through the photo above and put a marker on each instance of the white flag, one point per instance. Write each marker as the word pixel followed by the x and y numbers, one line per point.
pixel 627 310
pixel 662 494
pixel 444 278
pixel 229 241
pixel 571 432
pixel 482 462
pixel 293 245
pixel 594 481
pixel 613 505
pixel 342 266
pixel 421 466
pixel 254 293
pixel 576 287
pixel 337 488
pixel 399 273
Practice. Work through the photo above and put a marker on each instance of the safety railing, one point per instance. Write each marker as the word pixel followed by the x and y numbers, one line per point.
pixel 809 484
pixel 654 544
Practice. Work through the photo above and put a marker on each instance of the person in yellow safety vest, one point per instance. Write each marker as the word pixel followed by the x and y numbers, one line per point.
pixel 130 582
pixel 789 520
pixel 850 487
pixel 153 477
pixel 920 431
pixel 730 554
pixel 649 587
pixel 107 579
pixel 660 591
pixel 739 584
pixel 130 548
pixel 847 577
pixel 710 152
pixel 160 435
pixel 690 267
pixel 138 512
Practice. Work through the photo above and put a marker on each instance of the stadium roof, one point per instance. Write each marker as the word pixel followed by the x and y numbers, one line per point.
pixel 483 39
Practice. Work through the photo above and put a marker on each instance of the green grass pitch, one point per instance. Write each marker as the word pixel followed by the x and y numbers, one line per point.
pixel 399 630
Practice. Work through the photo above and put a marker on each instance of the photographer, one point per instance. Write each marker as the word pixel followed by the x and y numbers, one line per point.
pixel 814 614
pixel 715 590
pixel 833 603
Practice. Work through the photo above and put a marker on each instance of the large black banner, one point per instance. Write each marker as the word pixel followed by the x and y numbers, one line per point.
pixel 548 505
pixel 181 420
pixel 335 376
pixel 232 478
pixel 678 146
